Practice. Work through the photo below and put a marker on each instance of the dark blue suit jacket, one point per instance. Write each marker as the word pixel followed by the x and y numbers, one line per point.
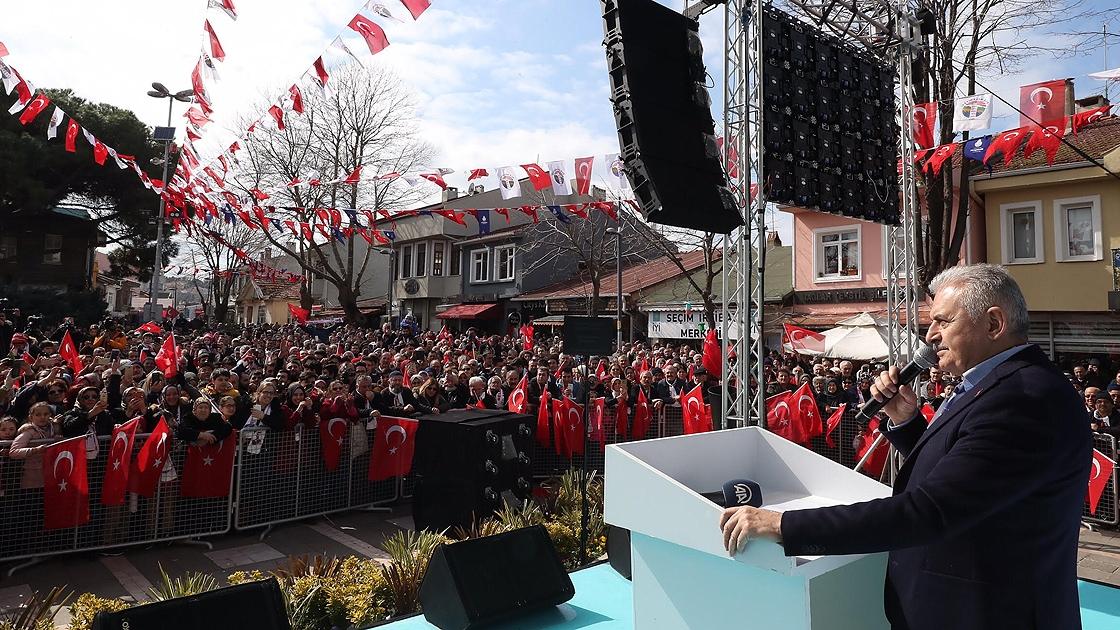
pixel 983 525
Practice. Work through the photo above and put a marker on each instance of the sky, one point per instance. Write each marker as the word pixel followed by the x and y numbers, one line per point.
pixel 496 82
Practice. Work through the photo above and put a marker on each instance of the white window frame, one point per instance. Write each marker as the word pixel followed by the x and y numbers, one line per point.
pixel 1061 227
pixel 480 256
pixel 406 263
pixel 498 275
pixel 818 253
pixel 54 253
pixel 1007 234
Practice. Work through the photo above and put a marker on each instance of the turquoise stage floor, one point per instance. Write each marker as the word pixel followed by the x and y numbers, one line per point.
pixel 604 601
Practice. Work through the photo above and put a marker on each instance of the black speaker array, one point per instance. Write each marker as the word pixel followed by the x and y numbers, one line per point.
pixel 467 462
pixel 829 132
pixel 663 114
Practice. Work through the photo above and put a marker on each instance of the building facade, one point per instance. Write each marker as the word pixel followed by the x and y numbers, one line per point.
pixel 55 252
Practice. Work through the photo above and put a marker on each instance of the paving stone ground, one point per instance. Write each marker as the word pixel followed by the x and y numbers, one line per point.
pixel 1098 558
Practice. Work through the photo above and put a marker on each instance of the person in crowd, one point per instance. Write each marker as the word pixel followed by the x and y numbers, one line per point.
pixel 205 426
pixel 479 397
pixel 645 386
pixel 496 391
pixel 337 403
pixel 396 399
pixel 455 392
pixel 431 400
pixel 541 384
pixel 1090 394
pixel 39 428
pixel 153 386
pixel 90 415
pixel 1105 417
pixel 112 338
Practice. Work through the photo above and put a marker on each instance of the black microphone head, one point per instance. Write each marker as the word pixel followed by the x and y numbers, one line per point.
pixel 742 492
pixel 926 357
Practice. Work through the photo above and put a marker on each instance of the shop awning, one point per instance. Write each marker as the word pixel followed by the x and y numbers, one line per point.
pixel 469 311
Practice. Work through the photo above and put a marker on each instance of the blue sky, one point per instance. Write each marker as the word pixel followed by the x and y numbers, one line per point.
pixel 497 82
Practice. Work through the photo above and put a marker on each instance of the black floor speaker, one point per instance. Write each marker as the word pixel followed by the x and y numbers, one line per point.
pixel 477 582
pixel 251 606
pixel 618 550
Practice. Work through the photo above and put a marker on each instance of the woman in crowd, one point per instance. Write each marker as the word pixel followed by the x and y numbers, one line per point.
pixel 153 387
pixel 25 530
pixel 430 399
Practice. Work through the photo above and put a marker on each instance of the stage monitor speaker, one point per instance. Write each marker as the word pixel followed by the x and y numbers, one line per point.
pixel 618 550
pixel 588 336
pixel 663 115
pixel 477 582
pixel 251 606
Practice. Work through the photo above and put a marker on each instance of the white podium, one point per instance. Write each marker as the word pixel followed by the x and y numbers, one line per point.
pixel 683 577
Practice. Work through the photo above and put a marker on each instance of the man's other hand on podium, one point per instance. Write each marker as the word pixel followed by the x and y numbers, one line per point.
pixel 740 524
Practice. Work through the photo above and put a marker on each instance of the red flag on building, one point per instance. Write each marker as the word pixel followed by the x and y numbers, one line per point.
pixel 393 446
pixel 925 119
pixel 583 174
pixel 416 7
pixel 208 471
pixel 65 487
pixel 697 418
pixel 1006 143
pixel 1080 119
pixel 712 359
pixel 167 359
pixel 543 414
pixel 874 464
pixel 298 314
pixel 331 435
pixel 69 353
pixel 369 30
pixel 1048 138
pixel 1099 476
pixel 146 469
pixel 833 422
pixel 803 340
pixel 1041 103
pixel 538 176
pixel 119 463
pixel 942 154
pixel 518 400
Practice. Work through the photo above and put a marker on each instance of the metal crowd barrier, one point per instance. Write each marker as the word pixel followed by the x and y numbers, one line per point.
pixel 1108 510
pixel 281 477
pixel 546 462
pixel 164 517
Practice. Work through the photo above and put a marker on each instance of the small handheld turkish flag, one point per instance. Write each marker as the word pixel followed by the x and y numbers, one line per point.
pixel 833 422
pixel 394 444
pixel 517 398
pixel 208 471
pixel 69 353
pixel 1099 477
pixel 119 464
pixel 873 467
pixel 331 435
pixel 570 429
pixel 542 419
pixel 622 418
pixel 144 476
pixel 712 360
pixel 167 359
pixel 695 418
pixel 642 417
pixel 65 487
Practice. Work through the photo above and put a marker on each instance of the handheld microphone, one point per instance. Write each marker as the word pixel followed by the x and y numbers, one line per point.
pixel 735 493
pixel 924 360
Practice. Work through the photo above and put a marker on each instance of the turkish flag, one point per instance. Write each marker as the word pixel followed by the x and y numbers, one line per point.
pixel 806 415
pixel 69 353
pixel 331 435
pixel 925 119
pixel 833 422
pixel 119 463
pixel 297 99
pixel 208 471
pixel 435 178
pixel 598 410
pixel 642 417
pixel 394 444
pixel 622 419
pixel 34 108
pixel 874 464
pixel 477 173
pixel 72 129
pixel 939 157
pixel 542 419
pixel 803 340
pixel 538 176
pixel 517 402
pixel 167 359
pixel 298 314
pixel 146 469
pixel 150 327
pixel 1048 138
pixel 779 416
pixel 571 428
pixel 371 32
pixel 1080 119
pixel 583 174
pixel 1099 477
pixel 697 416
pixel 601 370
pixel 712 359
pixel 1006 143
pixel 416 7
pixel 216 50
pixel 65 487
pixel 1041 103
pixel 277 115
pixel 354 178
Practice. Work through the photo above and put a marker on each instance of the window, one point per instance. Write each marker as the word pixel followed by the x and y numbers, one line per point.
pixel 406 261
pixel 837 254
pixel 1077 229
pixel 8 248
pixel 260 314
pixel 421 262
pixel 505 256
pixel 480 265
pixel 456 259
pixel 437 258
pixel 52 249
pixel 1020 226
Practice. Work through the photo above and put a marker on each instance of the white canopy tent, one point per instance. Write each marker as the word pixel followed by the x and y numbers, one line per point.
pixel 859 338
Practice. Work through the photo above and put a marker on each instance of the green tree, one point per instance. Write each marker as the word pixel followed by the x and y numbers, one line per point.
pixel 37 174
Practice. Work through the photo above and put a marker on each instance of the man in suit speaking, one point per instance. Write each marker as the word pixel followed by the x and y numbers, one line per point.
pixel 983 523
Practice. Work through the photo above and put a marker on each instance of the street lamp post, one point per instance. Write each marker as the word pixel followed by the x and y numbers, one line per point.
pixel 618 292
pixel 159 90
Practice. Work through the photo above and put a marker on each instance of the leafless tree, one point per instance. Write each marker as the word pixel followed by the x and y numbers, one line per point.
pixel 219 262
pixel 366 118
